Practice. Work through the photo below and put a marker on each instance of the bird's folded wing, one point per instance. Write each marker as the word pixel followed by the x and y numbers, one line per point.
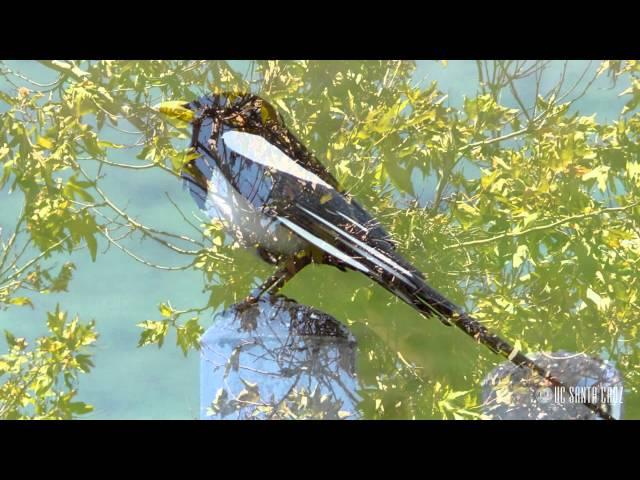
pixel 331 227
pixel 340 227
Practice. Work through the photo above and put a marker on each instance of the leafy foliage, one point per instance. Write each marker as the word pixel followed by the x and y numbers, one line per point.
pixel 533 222
pixel 42 382
pixel 187 334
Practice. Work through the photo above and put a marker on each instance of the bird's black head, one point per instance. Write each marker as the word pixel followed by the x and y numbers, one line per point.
pixel 243 111
pixel 212 115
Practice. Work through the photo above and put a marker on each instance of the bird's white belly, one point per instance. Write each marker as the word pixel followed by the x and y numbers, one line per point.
pixel 249 226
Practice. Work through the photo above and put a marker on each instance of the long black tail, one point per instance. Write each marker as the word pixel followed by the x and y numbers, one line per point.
pixel 429 302
pixel 378 259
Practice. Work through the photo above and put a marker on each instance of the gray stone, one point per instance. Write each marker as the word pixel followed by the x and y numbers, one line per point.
pixel 513 393
pixel 277 359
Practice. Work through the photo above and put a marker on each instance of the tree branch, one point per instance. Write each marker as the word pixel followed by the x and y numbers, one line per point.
pixel 539 228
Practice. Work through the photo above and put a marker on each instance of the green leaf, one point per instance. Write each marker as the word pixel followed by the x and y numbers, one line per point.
pixel 470 209
pixel 10 338
pixel 45 142
pixel 520 256
pixel 400 175
pixel 105 144
pixel 166 310
pixel 602 303
pixel 92 245
pixel 633 170
pixel 56 321
pixel 188 335
pixel 21 301
pixel 80 408
pixel 4 150
pixel 154 332
pixel 601 174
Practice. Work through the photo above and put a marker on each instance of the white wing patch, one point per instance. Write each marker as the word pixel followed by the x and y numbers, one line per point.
pixel 259 150
pixel 362 227
pixel 318 242
pixel 372 251
pixel 243 221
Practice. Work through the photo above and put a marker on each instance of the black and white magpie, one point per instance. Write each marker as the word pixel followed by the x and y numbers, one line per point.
pixel 273 194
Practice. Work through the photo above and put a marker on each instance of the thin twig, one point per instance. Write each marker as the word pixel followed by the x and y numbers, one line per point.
pixel 539 228
pixel 140 259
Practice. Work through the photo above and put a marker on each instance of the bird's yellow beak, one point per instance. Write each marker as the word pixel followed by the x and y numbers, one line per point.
pixel 176 110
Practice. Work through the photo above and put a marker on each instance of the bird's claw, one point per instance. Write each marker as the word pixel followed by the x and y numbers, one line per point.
pixel 247 303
